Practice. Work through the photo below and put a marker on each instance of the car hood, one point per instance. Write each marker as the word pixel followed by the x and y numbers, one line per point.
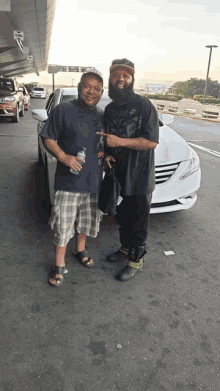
pixel 6 93
pixel 172 148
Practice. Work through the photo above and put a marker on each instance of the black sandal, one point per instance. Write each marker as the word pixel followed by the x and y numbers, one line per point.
pixel 83 254
pixel 53 272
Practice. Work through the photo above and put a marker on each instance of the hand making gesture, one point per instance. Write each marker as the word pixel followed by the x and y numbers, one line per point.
pixel 111 140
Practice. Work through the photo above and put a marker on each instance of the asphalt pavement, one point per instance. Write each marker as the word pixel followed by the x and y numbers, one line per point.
pixel 157 332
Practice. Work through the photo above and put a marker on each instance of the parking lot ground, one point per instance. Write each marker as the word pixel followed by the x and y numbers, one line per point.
pixel 158 332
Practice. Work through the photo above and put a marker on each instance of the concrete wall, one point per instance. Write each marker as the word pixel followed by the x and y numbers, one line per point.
pixel 188 107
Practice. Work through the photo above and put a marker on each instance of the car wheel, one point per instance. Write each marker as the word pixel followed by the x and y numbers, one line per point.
pixel 15 118
pixel 22 111
pixel 40 158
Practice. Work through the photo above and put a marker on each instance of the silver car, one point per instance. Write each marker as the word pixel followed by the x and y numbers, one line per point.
pixel 177 165
pixel 45 159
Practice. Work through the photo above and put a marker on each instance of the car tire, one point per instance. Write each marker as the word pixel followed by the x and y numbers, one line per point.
pixel 40 158
pixel 22 111
pixel 15 118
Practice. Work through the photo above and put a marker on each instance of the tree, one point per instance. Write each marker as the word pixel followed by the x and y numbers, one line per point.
pixel 195 86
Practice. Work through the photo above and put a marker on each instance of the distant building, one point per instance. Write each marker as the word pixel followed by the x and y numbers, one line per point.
pixel 154 88
pixel 172 89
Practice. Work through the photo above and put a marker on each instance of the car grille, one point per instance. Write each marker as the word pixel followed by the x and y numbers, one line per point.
pixel 5 112
pixel 164 173
pixel 164 204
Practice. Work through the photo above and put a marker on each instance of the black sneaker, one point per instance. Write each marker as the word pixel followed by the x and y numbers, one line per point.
pixel 127 273
pixel 130 270
pixel 120 255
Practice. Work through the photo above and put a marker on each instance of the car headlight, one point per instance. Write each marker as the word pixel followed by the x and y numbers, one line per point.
pixel 192 166
pixel 9 99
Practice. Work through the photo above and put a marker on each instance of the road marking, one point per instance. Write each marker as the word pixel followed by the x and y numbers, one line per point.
pixel 215 153
pixel 202 141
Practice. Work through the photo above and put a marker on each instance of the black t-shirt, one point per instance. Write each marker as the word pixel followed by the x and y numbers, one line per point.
pixel 73 127
pixel 138 117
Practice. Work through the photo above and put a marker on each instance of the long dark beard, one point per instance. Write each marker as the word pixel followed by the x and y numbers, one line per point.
pixel 120 96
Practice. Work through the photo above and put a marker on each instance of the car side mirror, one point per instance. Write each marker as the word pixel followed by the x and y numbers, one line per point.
pixel 166 118
pixel 40 114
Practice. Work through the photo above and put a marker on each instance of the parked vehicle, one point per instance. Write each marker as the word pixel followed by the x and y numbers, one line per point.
pixel 177 165
pixel 38 92
pixel 11 99
pixel 45 159
pixel 30 86
pixel 27 99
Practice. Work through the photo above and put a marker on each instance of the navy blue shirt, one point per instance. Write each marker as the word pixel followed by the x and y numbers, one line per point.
pixel 73 127
pixel 138 117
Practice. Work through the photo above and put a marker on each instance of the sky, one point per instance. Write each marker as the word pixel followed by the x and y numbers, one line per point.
pixel 165 39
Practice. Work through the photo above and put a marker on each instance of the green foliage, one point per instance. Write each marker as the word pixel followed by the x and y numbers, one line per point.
pixel 195 86
pixel 173 98
pixel 209 100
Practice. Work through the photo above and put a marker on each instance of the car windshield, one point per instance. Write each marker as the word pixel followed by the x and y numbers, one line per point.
pixel 105 94
pixel 38 89
pixel 6 85
pixel 69 97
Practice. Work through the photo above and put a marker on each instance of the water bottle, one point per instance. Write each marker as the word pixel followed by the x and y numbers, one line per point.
pixel 81 155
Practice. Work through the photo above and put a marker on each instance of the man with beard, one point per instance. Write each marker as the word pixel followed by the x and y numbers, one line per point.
pixel 131 135
pixel 72 126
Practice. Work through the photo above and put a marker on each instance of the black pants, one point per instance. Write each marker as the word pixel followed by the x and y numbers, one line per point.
pixel 133 217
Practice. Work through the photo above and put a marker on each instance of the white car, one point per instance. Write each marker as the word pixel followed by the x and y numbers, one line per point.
pixel 177 166
pixel 177 171
pixel 27 99
pixel 38 92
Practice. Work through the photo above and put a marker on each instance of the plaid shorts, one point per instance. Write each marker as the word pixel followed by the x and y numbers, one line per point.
pixel 74 211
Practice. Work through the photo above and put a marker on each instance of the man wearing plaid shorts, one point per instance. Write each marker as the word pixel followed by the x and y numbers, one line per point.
pixel 71 126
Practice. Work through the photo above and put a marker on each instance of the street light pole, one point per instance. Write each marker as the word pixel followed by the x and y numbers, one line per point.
pixel 53 82
pixel 210 54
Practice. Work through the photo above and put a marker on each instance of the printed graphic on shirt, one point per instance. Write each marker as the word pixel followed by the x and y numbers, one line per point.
pixel 124 123
pixel 134 167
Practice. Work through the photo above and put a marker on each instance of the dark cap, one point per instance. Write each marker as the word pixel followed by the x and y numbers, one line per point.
pixel 123 63
pixel 92 71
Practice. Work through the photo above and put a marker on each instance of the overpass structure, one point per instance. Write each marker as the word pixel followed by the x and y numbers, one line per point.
pixel 25 35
